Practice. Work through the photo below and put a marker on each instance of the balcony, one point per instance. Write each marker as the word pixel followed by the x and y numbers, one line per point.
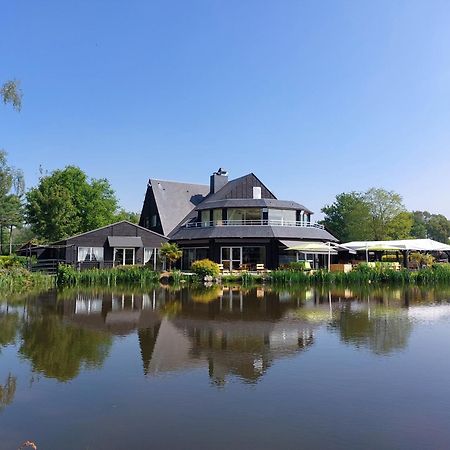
pixel 253 223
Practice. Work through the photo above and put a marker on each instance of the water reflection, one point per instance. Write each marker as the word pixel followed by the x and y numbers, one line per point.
pixel 230 332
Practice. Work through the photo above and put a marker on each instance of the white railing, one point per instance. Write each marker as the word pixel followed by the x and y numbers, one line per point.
pixel 240 223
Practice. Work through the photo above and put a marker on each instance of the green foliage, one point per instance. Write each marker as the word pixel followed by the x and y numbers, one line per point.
pixel 7 262
pixel 68 276
pixel 348 217
pixel 11 93
pixel 365 274
pixel 433 226
pixel 11 191
pixel 205 267
pixel 374 215
pixel 422 259
pixel 66 202
pixel 385 209
pixel 297 266
pixel 59 350
pixel 132 217
pixel 171 253
pixel 15 278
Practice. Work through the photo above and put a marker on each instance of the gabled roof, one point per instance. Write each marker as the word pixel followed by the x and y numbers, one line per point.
pixel 107 226
pixel 176 200
pixel 240 188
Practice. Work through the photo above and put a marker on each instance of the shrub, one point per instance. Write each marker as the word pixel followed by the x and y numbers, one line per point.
pixel 297 266
pixel 205 267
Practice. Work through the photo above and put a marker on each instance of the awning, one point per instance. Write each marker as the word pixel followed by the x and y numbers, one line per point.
pixel 125 241
pixel 318 248
pixel 402 244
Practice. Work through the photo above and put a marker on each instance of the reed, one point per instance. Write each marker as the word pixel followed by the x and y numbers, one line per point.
pixel 17 279
pixel 68 276
pixel 364 275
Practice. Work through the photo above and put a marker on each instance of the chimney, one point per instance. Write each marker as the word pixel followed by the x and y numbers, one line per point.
pixel 218 180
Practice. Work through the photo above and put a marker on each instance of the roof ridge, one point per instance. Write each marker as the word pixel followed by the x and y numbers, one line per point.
pixel 177 182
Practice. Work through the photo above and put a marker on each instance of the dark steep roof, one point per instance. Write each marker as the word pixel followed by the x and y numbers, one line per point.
pixel 176 200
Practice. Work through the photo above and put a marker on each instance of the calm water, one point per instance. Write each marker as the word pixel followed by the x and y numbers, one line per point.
pixel 222 369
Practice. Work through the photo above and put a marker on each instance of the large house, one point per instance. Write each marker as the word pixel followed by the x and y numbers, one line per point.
pixel 237 223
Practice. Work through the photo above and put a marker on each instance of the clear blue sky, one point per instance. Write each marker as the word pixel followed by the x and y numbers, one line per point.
pixel 315 98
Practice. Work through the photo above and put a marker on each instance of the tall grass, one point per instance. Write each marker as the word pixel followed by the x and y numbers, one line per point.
pixel 363 274
pixel 17 279
pixel 68 276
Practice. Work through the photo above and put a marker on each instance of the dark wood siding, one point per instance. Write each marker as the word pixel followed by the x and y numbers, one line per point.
pixel 150 209
pixel 243 188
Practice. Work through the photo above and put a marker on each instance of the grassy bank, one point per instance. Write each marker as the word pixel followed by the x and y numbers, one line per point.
pixel 363 274
pixel 18 279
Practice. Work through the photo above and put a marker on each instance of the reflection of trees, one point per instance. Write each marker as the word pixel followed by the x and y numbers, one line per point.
pixel 8 328
pixel 382 330
pixel 7 391
pixel 60 350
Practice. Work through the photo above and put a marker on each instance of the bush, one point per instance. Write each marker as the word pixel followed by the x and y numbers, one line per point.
pixel 297 266
pixel 7 262
pixel 205 267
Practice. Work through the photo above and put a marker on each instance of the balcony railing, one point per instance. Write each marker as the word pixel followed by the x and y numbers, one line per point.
pixel 257 223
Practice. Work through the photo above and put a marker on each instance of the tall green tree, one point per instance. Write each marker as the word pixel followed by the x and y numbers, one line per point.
pixel 11 93
pixel 419 226
pixel 438 228
pixel 11 192
pixel 67 202
pixel 347 217
pixel 384 208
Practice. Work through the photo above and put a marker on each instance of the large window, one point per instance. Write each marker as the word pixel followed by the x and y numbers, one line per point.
pixel 205 217
pixel 124 256
pixel 252 256
pixel 193 254
pixel 217 216
pixel 90 254
pixel 282 216
pixel 244 214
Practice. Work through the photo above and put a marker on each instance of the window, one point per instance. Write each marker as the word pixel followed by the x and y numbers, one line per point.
pixel 244 214
pixel 124 256
pixel 253 256
pixel 256 192
pixel 283 215
pixel 193 254
pixel 90 254
pixel 205 217
pixel 148 253
pixel 154 220
pixel 217 216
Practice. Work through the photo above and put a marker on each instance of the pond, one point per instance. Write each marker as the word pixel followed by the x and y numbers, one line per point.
pixel 226 368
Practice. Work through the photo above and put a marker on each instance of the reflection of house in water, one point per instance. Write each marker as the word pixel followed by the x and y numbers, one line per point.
pixel 238 334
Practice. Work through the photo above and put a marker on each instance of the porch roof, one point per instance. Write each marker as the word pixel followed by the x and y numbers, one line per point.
pixel 125 241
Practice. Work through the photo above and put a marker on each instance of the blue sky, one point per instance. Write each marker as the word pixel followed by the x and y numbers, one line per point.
pixel 315 98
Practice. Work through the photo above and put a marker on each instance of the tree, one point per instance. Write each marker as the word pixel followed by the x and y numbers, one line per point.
pixel 433 226
pixel 171 253
pixel 127 215
pixel 400 226
pixel 438 228
pixel 66 202
pixel 419 227
pixel 384 208
pixel 348 217
pixel 11 191
pixel 10 92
